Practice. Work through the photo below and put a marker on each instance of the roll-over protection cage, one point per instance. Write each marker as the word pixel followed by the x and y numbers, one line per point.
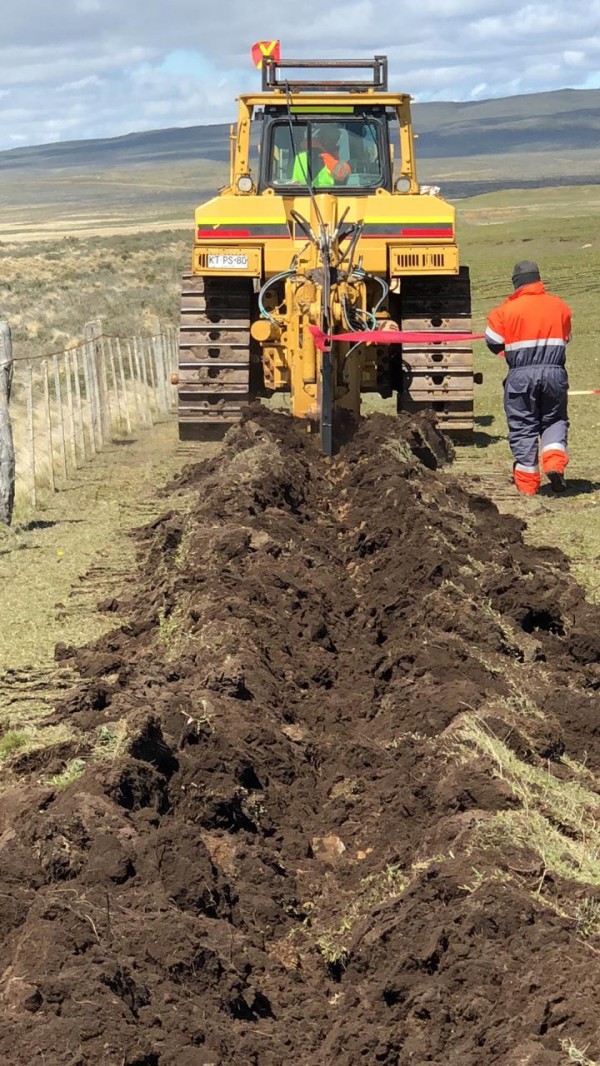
pixel 272 79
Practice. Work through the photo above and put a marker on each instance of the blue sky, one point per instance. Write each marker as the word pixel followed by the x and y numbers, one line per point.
pixel 101 68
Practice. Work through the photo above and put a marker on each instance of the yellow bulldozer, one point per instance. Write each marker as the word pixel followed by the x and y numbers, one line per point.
pixel 323 249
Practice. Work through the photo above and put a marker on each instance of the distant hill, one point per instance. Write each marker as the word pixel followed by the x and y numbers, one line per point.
pixel 565 120
pixel 467 147
pixel 154 147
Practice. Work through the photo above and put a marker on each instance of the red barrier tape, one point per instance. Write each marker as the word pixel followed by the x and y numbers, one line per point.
pixel 389 336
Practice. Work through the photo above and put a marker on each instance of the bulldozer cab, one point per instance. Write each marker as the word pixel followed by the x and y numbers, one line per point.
pixel 327 152
pixel 332 136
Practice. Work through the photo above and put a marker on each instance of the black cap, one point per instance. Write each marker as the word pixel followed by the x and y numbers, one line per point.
pixel 525 272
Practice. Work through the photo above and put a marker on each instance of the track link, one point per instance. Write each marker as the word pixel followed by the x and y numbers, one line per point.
pixel 438 375
pixel 214 354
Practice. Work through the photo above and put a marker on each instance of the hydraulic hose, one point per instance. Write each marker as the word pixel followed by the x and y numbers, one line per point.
pixel 267 285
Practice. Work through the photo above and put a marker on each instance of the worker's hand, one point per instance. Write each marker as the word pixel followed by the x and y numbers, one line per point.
pixel 341 172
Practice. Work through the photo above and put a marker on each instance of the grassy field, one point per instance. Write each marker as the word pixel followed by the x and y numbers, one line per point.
pixel 129 282
pixel 56 564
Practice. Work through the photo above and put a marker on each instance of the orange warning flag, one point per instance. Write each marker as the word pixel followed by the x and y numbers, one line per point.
pixel 268 49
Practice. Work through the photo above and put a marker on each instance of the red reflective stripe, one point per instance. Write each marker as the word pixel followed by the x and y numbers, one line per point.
pixel 222 234
pixel 427 232
pixel 404 234
pixel 401 236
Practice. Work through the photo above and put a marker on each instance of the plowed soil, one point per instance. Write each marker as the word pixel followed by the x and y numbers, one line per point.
pixel 283 859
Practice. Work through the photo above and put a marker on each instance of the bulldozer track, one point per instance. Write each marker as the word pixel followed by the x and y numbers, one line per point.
pixel 438 374
pixel 214 354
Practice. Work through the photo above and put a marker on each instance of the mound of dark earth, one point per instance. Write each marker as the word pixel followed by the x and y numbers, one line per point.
pixel 275 854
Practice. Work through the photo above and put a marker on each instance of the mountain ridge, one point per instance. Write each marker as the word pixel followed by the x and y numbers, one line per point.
pixel 568 118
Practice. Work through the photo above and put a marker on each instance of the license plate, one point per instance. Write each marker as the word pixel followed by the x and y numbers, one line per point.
pixel 224 261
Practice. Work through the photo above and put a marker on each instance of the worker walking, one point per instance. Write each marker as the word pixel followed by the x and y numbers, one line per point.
pixel 531 329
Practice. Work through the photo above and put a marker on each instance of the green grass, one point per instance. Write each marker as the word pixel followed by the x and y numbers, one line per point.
pixel 111 741
pixel 23 737
pixel 45 598
pixel 332 940
pixel 12 741
pixel 557 820
pixel 71 773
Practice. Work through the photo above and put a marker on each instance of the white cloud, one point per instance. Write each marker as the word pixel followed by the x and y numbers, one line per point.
pixel 90 68
pixel 82 83
pixel 480 91
pixel 574 59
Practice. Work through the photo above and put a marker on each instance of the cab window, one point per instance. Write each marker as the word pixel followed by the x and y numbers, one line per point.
pixel 327 154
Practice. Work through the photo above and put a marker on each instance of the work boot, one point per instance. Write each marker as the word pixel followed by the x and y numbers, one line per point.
pixel 557 481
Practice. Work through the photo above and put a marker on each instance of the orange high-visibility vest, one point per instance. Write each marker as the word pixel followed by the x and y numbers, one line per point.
pixel 531 326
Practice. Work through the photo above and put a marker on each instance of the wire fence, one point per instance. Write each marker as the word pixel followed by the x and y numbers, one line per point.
pixel 61 410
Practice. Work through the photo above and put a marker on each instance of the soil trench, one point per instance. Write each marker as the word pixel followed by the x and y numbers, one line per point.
pixel 304 830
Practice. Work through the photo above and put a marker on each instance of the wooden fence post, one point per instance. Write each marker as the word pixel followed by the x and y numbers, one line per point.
pixel 123 385
pixel 161 372
pixel 71 410
pixel 141 377
pixel 106 414
pixel 149 362
pixel 87 377
pixel 131 354
pixel 7 448
pixel 108 347
pixel 98 431
pixel 147 396
pixel 48 424
pixel 61 417
pixel 92 332
pixel 31 433
pixel 78 404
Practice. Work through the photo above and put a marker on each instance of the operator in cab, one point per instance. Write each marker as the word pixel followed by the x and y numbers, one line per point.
pixel 326 168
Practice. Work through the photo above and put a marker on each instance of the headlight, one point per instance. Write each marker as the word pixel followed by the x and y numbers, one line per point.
pixel 245 183
pixel 402 185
